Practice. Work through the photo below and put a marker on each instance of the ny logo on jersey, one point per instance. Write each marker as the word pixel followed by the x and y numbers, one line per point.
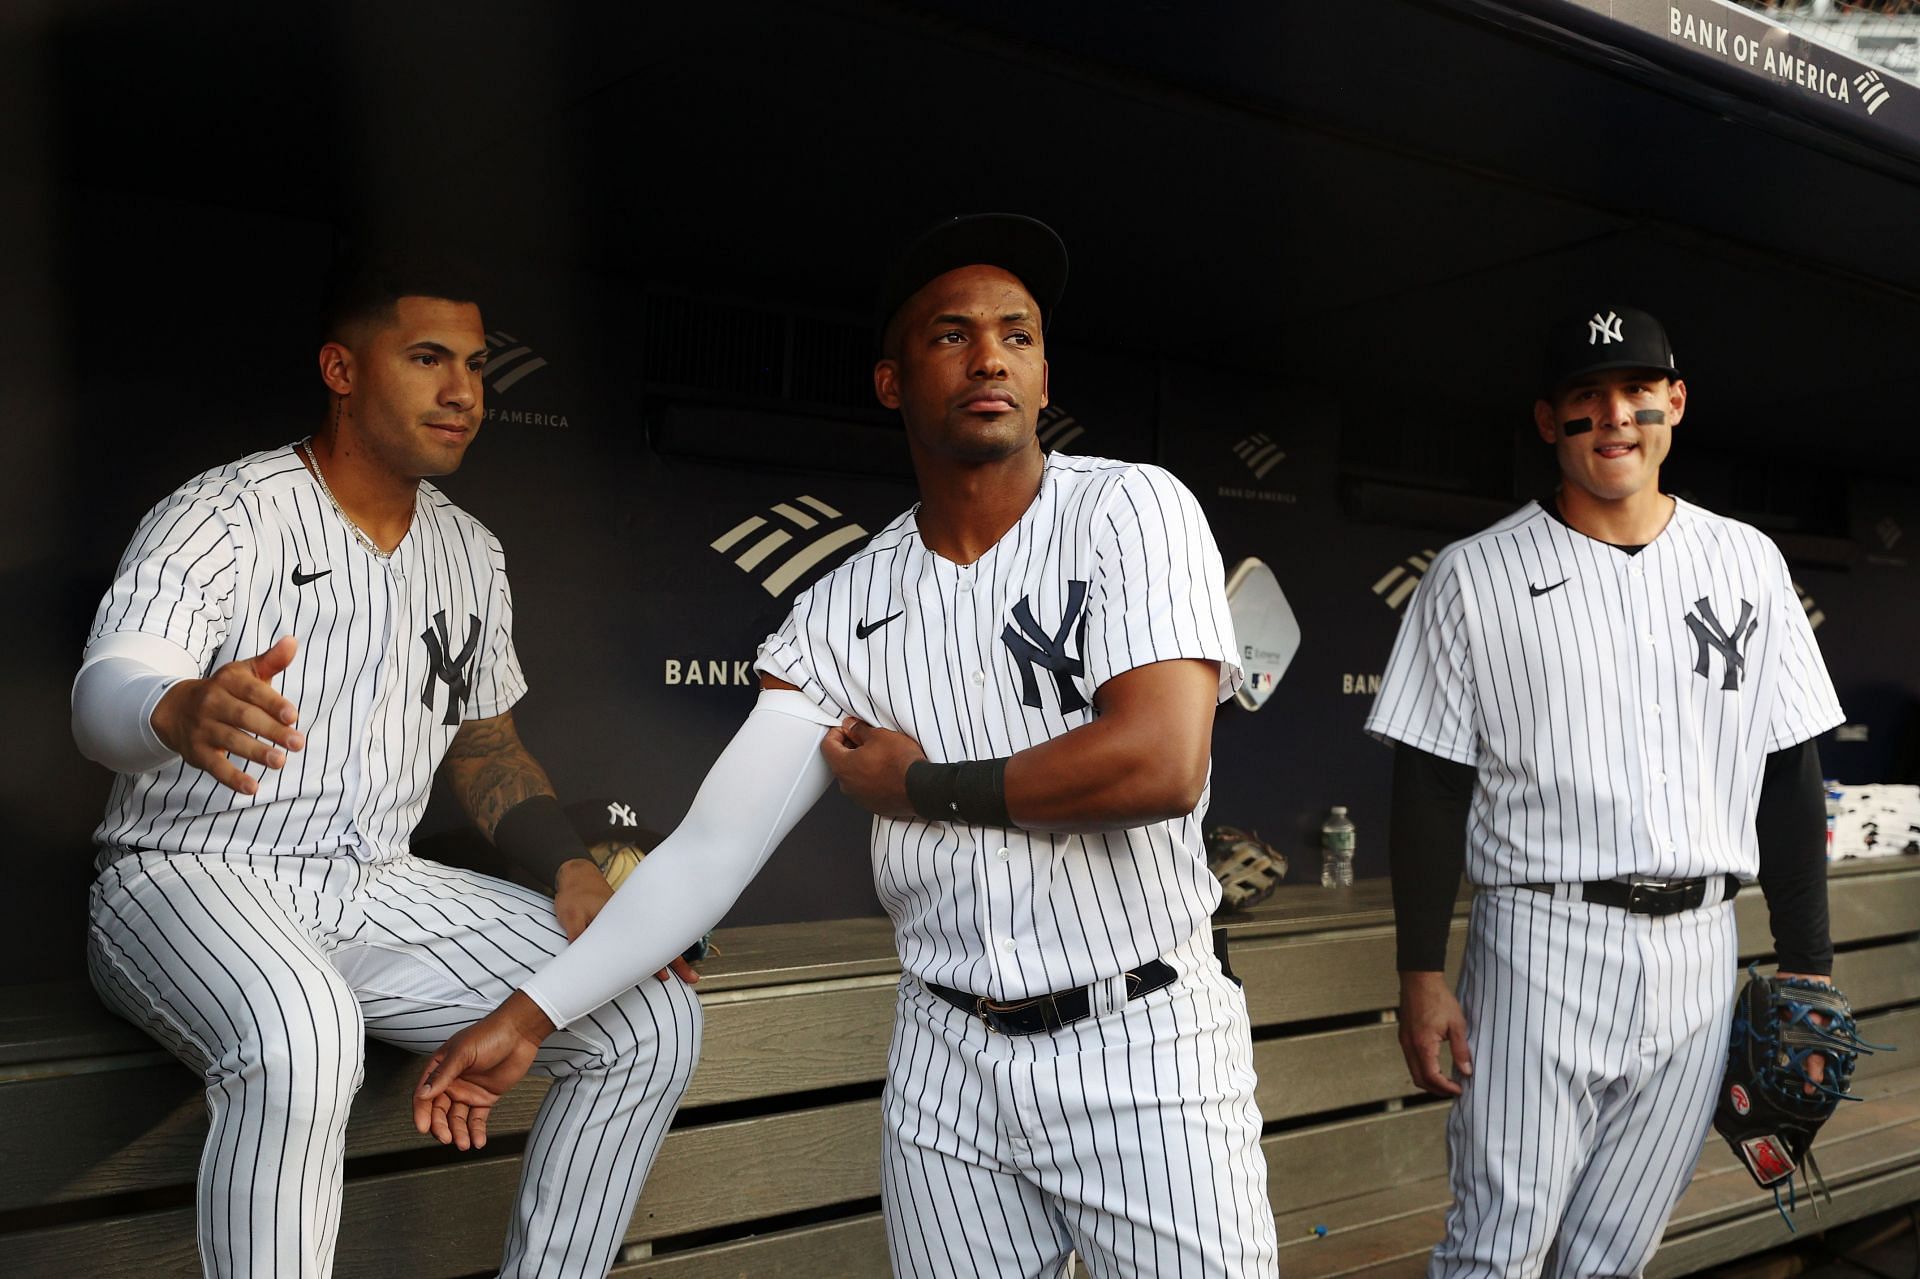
pixel 1037 647
pixel 1605 331
pixel 455 672
pixel 1712 637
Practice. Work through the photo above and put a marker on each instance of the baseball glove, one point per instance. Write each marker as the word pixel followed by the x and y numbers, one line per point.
pixel 1248 867
pixel 1770 1107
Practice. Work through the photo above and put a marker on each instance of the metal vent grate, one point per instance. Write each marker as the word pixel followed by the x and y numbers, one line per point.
pixel 757 353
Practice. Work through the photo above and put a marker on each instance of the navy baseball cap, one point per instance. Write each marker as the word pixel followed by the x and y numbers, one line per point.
pixel 1024 246
pixel 1610 337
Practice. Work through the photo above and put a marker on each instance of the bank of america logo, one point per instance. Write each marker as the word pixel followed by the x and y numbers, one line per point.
pixel 789 542
pixel 1260 454
pixel 508 361
pixel 1889 532
pixel 1397 587
pixel 1057 428
pixel 1872 90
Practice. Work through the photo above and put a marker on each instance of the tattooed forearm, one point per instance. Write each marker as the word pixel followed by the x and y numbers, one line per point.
pixel 490 771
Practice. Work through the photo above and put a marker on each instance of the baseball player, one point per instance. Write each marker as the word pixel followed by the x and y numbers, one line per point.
pixel 291 646
pixel 1604 709
pixel 1018 678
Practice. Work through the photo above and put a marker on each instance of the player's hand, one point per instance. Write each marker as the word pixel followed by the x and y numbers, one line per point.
pixel 234 712
pixel 579 891
pixel 476 1068
pixel 871 764
pixel 1430 1016
pixel 1816 1064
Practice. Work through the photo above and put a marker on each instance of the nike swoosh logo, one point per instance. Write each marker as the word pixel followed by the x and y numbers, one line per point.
pixel 301 579
pixel 861 630
pixel 1538 591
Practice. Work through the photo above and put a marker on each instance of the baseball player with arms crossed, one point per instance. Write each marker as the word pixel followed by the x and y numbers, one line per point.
pixel 1604 710
pixel 1018 678
pixel 291 646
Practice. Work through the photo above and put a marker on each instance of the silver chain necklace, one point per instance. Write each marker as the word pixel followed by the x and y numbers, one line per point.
pixel 305 449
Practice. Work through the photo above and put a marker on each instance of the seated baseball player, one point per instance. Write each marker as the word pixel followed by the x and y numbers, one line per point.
pixel 1017 677
pixel 291 647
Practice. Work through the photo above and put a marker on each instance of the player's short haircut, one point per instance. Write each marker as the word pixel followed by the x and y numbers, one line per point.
pixel 364 289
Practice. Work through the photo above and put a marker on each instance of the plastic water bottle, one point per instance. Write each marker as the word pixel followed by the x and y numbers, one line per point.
pixel 1336 849
pixel 1835 793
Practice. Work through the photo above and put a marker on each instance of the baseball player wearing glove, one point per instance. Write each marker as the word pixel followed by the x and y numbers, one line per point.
pixel 1789 1062
pixel 1603 709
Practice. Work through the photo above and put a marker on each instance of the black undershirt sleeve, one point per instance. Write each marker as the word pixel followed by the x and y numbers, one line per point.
pixel 1791 824
pixel 1427 852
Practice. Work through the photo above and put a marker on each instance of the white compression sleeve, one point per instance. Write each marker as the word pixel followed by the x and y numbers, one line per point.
pixel 762 784
pixel 122 679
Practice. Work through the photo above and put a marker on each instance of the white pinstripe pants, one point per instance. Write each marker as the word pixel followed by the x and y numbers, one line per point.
pixel 1131 1137
pixel 266 973
pixel 1598 1039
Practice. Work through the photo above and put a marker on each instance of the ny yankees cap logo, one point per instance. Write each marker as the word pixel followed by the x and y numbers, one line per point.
pixel 1605 331
pixel 1714 638
pixel 619 814
pixel 1032 645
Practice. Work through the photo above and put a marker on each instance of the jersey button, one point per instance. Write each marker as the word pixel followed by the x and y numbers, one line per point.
pixel 1006 945
pixel 1660 778
pixel 1004 854
pixel 978 677
pixel 1654 707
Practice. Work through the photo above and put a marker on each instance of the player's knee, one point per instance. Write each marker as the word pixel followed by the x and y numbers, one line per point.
pixel 655 1032
pixel 306 1066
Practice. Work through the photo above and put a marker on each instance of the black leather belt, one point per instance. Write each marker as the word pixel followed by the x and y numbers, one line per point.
pixel 1647 896
pixel 1050 1012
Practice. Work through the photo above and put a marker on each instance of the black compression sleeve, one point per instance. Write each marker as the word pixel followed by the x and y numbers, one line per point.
pixel 1791 823
pixel 1427 852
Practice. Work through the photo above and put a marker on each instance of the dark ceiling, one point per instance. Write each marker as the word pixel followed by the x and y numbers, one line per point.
pixel 1383 196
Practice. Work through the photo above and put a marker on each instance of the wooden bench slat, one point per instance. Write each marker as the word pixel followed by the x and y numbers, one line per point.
pixel 1300 979
pixel 1879 977
pixel 1329 1070
pixel 764 1166
pixel 855 1248
pixel 1855 1195
pixel 785 1043
pixel 1331 1162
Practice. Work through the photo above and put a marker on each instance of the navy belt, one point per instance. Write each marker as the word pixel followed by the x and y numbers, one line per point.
pixel 1645 896
pixel 1050 1012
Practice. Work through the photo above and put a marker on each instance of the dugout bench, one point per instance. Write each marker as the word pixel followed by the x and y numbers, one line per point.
pixel 771 1170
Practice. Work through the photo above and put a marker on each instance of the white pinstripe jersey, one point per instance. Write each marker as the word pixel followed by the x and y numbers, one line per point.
pixel 1111 567
pixel 1618 708
pixel 386 646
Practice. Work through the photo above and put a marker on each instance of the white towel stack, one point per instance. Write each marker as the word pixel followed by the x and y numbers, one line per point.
pixel 1874 820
